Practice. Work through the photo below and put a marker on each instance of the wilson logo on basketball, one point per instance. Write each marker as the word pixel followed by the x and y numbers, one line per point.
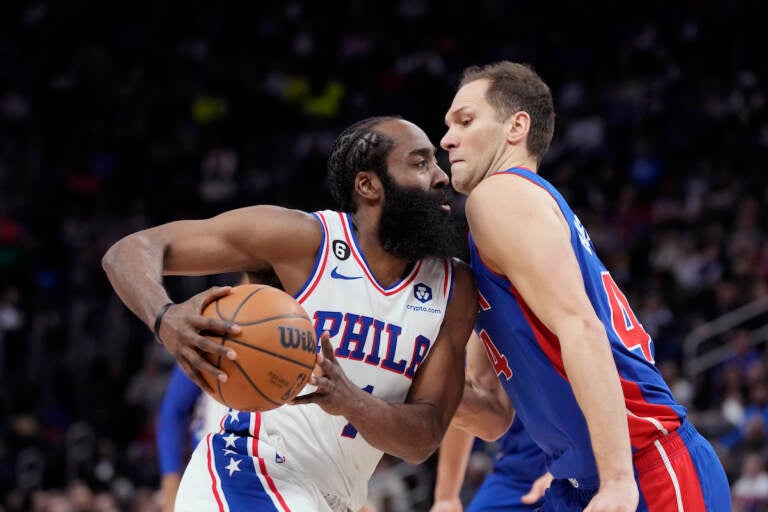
pixel 291 337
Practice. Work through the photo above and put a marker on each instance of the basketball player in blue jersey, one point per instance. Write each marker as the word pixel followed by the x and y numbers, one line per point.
pixel 394 309
pixel 519 476
pixel 564 343
pixel 516 483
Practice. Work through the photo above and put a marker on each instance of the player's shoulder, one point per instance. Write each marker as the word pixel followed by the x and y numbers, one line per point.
pixel 277 212
pixel 463 280
pixel 267 215
pixel 506 188
pixel 505 196
pixel 274 232
pixel 300 223
pixel 460 266
pixel 457 265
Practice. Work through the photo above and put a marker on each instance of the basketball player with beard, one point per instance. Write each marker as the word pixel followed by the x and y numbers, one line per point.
pixel 377 277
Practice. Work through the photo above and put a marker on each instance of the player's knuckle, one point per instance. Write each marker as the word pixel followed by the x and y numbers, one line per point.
pixel 193 357
pixel 187 339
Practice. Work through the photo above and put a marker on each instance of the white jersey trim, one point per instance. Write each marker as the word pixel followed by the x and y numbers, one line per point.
pixel 320 262
pixel 218 492
pixel 261 468
pixel 448 283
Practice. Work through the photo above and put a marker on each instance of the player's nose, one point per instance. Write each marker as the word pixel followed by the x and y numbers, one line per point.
pixel 439 177
pixel 449 140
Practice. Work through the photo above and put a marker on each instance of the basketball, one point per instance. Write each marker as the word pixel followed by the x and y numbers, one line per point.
pixel 276 348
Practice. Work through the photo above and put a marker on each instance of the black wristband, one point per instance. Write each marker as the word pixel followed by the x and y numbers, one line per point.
pixel 159 320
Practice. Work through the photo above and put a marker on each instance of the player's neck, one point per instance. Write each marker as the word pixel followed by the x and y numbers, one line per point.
pixel 386 267
pixel 515 157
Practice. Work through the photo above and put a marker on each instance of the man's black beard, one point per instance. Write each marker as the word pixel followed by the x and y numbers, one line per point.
pixel 414 226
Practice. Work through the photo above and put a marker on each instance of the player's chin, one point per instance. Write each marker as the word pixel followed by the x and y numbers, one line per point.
pixel 460 182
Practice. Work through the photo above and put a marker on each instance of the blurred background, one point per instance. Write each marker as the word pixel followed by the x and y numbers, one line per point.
pixel 118 116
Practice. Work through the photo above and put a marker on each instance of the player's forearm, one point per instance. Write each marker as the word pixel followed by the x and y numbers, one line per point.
pixel 592 372
pixel 411 432
pixel 452 463
pixel 169 487
pixel 134 266
pixel 482 412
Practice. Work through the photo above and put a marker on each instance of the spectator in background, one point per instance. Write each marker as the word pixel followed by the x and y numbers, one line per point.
pixel 387 491
pixel 681 389
pixel 750 492
pixel 732 407
pixel 751 434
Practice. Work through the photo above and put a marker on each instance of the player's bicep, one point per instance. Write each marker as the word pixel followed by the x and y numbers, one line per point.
pixel 196 247
pixel 440 379
pixel 238 240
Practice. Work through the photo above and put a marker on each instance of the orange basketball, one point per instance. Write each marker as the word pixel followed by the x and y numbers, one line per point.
pixel 276 348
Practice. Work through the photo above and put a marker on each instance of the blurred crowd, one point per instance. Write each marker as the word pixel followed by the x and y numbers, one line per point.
pixel 118 117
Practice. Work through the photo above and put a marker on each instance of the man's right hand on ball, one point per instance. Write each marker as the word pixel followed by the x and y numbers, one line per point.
pixel 180 332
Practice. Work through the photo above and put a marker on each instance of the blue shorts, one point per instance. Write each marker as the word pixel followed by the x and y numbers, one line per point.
pixel 678 472
pixel 502 493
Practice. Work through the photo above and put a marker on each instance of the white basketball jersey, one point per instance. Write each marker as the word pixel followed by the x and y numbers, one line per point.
pixel 381 336
pixel 207 416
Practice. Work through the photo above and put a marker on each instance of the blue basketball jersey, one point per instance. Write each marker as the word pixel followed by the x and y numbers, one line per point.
pixel 518 456
pixel 528 361
pixel 519 462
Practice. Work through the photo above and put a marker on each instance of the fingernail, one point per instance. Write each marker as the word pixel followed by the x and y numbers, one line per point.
pixel 223 377
pixel 231 354
pixel 235 329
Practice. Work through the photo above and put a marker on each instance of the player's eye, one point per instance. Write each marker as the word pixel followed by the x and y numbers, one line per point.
pixel 466 121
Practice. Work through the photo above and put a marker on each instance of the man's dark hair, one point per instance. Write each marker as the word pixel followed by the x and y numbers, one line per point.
pixel 359 147
pixel 513 88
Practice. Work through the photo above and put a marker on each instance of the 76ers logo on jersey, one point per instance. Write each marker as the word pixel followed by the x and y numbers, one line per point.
pixel 422 292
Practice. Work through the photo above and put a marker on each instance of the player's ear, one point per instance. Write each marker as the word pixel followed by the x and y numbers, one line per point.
pixel 518 125
pixel 368 185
